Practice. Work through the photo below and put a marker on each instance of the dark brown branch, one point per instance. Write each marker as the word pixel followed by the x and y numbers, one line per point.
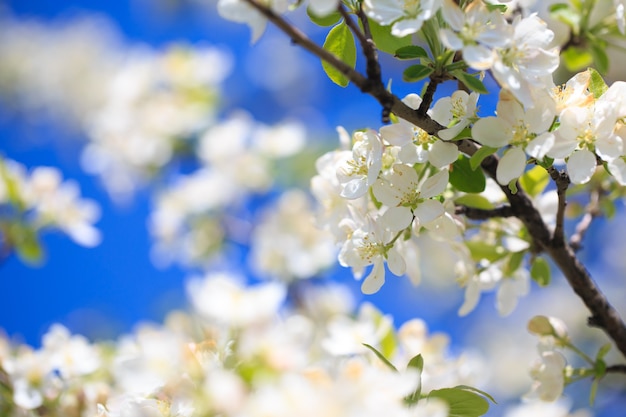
pixel 562 181
pixel 616 369
pixel 481 214
pixel 603 313
pixel 591 212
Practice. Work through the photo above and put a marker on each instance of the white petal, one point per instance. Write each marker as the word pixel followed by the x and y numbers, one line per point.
pixel 478 57
pixel 541 145
pixel 375 280
pixel 435 185
pixel 472 296
pixel 398 134
pixel 355 188
pixel 429 210
pixel 618 170
pixel 580 166
pixel 610 147
pixel 406 27
pixel 395 262
pixel 397 218
pixel 442 154
pixel 511 166
pixel 491 131
pixel 323 7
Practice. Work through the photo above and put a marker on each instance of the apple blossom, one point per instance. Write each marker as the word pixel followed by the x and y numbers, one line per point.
pixel 406 17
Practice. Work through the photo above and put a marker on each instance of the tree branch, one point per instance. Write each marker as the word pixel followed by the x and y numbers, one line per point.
pixel 562 181
pixel 591 212
pixel 603 314
pixel 481 214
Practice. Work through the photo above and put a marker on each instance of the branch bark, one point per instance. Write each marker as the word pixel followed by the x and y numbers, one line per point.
pixel 603 314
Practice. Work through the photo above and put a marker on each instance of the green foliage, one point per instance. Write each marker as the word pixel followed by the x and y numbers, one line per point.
pixel 340 42
pixel 480 156
pixel 463 401
pixel 416 362
pixel 481 250
pixel 380 356
pixel 416 73
pixel 534 181
pixel 26 243
pixel 466 179
pixel 540 271
pixel 470 81
pixel 328 20
pixel 474 200
pixel 411 52
pixel 597 85
pixel 384 40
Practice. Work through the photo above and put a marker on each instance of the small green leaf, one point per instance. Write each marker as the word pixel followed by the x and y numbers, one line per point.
pixel 466 179
pixel 515 260
pixel 496 7
pixel 540 272
pixel 566 14
pixel 474 201
pixel 513 186
pixel 478 391
pixel 480 156
pixel 461 402
pixel 416 362
pixel 27 244
pixel 470 81
pixel 340 42
pixel 381 357
pixel 327 20
pixel 603 351
pixel 411 52
pixel 384 40
pixel 535 180
pixel 600 58
pixel 416 73
pixel 597 85
pixel 481 250
pixel 593 391
pixel 576 59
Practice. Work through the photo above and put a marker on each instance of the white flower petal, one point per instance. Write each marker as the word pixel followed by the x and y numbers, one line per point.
pixel 443 154
pixel 395 262
pixel 491 131
pixel 428 211
pixel 580 166
pixel 375 280
pixel 511 166
pixel 541 145
pixel 435 185
pixel 396 218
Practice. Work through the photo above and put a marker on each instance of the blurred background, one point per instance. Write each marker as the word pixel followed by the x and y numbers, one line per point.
pixel 56 59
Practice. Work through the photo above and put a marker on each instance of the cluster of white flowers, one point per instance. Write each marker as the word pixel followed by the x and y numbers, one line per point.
pixel 374 203
pixel 40 200
pixel 238 354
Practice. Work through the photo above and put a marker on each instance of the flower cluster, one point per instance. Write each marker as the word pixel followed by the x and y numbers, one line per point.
pixel 239 353
pixel 39 200
pixel 375 204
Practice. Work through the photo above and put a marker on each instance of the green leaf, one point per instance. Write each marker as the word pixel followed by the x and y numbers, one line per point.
pixel 27 243
pixel 466 179
pixel 470 81
pixel 481 250
pixel 593 391
pixel 565 13
pixel 515 260
pixel 381 357
pixel 327 20
pixel 597 86
pixel 474 201
pixel 575 59
pixel 416 73
pixel 513 186
pixel 384 40
pixel 600 57
pixel 462 402
pixel 416 362
pixel 535 180
pixel 340 42
pixel 603 351
pixel 540 272
pixel 480 156
pixel 478 391
pixel 411 52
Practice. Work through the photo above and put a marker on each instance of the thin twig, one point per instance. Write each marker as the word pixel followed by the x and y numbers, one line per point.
pixel 562 181
pixel 481 214
pixel 591 212
pixel 615 369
